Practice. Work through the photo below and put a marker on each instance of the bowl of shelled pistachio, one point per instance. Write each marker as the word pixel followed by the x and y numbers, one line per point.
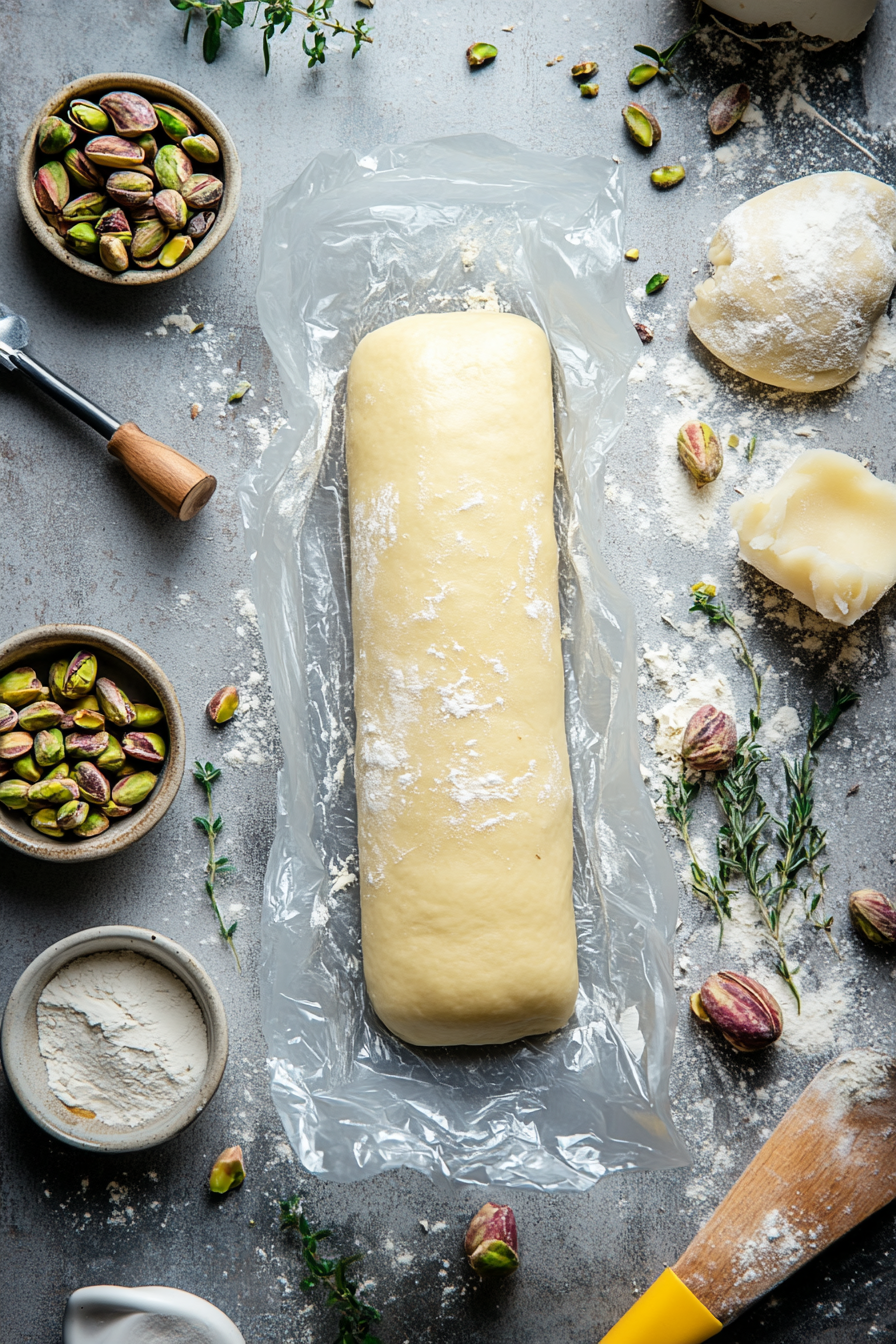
pixel 128 179
pixel 92 743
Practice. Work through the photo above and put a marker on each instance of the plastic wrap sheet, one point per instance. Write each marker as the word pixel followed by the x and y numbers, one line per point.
pixel 356 242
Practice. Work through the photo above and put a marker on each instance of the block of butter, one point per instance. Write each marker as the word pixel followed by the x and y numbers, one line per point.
pixel 826 531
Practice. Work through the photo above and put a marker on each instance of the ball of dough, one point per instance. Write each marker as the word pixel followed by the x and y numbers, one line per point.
pixel 802 273
pixel 840 20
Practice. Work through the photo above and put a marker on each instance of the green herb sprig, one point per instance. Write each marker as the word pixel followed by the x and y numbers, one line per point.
pixel 355 1317
pixel 663 58
pixel 211 827
pixel 278 14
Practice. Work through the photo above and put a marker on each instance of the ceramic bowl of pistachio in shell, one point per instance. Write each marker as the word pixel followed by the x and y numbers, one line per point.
pixel 128 781
pixel 86 176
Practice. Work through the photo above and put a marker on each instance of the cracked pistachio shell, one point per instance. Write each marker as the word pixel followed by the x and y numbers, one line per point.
pixel 81 170
pixel 146 263
pixel 114 703
pixel 727 108
pixel 131 114
pixel 129 790
pixel 700 451
pixel 114 254
pixel 92 783
pixel 115 810
pixel 223 704
pixel 51 187
pixel 93 824
pixel 87 208
pixel 40 714
pixel 72 814
pixel 113 757
pixel 149 237
pixel 53 792
pixel 19 687
pixel 14 794
pixel 88 116
pixel 201 148
pixel 229 1171
pixel 8 718
pixel 199 225
pixel 146 716
pixel 114 224
pixel 15 745
pixel 49 748
pixel 175 250
pixel 111 151
pixel 45 822
pixel 171 208
pixel 172 167
pixel 86 746
pixel 81 238
pixel 202 190
pixel 26 767
pixel 641 125
pixel 129 189
pixel 174 122
pixel 54 135
pixel 743 1010
pixel 80 675
pixel 144 747
pixel 583 70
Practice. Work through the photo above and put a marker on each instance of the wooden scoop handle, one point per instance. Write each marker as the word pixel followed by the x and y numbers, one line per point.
pixel 172 479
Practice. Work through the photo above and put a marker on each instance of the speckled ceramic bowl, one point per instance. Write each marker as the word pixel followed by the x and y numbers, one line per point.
pixel 27 1073
pixel 141 678
pixel 161 90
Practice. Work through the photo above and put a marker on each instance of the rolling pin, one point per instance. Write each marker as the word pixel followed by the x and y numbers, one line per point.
pixel 829 1164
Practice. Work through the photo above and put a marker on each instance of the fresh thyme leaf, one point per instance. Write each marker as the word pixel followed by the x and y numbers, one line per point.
pixel 276 15
pixel 663 58
pixel 355 1316
pixel 822 723
pixel 211 827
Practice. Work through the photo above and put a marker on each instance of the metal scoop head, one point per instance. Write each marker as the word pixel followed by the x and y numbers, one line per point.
pixel 14 333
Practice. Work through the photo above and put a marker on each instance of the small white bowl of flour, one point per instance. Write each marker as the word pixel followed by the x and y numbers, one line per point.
pixel 114 1039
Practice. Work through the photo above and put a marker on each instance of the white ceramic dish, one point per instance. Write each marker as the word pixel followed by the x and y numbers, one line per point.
pixel 27 1073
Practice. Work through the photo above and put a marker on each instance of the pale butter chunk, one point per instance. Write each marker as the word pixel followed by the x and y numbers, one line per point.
pixel 802 273
pixel 840 20
pixel 826 531
pixel 464 793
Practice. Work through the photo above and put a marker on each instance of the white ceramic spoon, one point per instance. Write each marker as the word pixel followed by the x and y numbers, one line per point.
pixel 105 1314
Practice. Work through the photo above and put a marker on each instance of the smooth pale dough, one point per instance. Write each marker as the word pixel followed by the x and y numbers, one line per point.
pixel 802 273
pixel 464 793
pixel 826 530
pixel 840 20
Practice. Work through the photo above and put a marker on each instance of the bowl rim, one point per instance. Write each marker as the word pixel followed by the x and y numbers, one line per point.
pixel 90 84
pixel 38 640
pixel 18 1036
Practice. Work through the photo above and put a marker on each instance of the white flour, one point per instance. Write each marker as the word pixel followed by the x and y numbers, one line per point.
pixel 122 1037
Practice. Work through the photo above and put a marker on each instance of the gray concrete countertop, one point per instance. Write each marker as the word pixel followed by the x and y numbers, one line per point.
pixel 81 542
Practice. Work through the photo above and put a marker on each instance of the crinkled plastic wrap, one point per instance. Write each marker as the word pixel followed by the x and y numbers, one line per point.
pixel 356 242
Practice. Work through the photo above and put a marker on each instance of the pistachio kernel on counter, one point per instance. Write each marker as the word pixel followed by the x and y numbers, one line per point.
pixel 743 1010
pixel 641 125
pixel 228 1172
pixel 589 90
pixel 480 53
pixel 700 451
pixel 223 704
pixel 491 1244
pixel 668 176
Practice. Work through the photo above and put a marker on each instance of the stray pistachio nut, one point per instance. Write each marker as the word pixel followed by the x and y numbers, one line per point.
pixel 81 238
pixel 54 792
pixel 199 225
pixel 87 116
pixel 26 767
pixel 86 746
pixel 145 716
pixel 80 675
pixel 491 1244
pixel 172 167
pixel 114 224
pixel 240 390
pixel 129 189
pixel 656 283
pixel 201 148
pixel 744 1011
pixel 700 451
pixel 87 720
pixel 93 824
pixel 223 704
pixel 228 1171
pixel 86 208
pixel 171 208
pixel 54 135
pixel 872 914
pixel 8 718
pixel 175 250
pixel 589 90
pixel 49 748
pixel 71 814
pixel 51 188
pixel 44 821
pixel 111 151
pixel 710 739
pixel 131 114
pixel 202 190
pixel 130 790
pixel 114 703
pixel 641 125
pixel 19 687
pixel 15 745
pixel 81 170
pixel 144 747
pixel 60 771
pixel 584 69
pixel 113 254
pixel 632 254
pixel 642 74
pixel 668 176
pixel 480 53
pixel 40 714
pixel 14 794
pixel 115 810
pixel 113 758
pixel 149 238
pixel 727 108
pixel 175 123
pixel 92 783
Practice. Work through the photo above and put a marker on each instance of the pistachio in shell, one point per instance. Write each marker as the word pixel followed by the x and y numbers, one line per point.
pixel 199 225
pixel 139 214
pixel 130 790
pixel 115 810
pixel 114 224
pixel 171 208
pixel 149 145
pixel 40 714
pixel 201 148
pixel 115 704
pixel 56 678
pixel 9 718
pixel 72 814
pixel 86 208
pixel 51 187
pixel 202 190
pixel 727 108
pixel 113 758
pixel 143 746
pixel 92 783
pixel 175 250
pixel 19 687
pixel 86 746
pixel 146 263
pixel 54 135
pixel 111 151
pixel 14 794
pixel 93 824
pixel 114 254
pixel 129 188
pixel 88 116
pixel 15 745
pixel 87 720
pixel 175 123
pixel 80 675
pixel 79 168
pixel 45 821
pixel 149 237
pixel 172 167
pixel 131 113
pixel 641 125
pixel 49 748
pixel 60 771
pixel 53 792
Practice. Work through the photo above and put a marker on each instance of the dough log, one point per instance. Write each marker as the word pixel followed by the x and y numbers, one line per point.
pixel 464 793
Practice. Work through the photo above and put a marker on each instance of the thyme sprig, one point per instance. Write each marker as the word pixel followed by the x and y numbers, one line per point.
pixel 278 14
pixel 663 58
pixel 355 1317
pixel 705 600
pixel 680 796
pixel 211 827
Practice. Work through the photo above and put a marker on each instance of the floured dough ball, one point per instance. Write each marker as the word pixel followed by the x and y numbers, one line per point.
pixel 839 20
pixel 802 273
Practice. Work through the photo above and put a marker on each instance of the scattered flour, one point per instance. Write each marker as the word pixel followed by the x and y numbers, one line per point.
pixel 485 299
pixel 767 1257
pixel 707 687
pixel 862 1076
pixel 784 724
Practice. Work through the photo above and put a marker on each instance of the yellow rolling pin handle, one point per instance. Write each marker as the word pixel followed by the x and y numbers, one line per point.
pixel 668 1313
